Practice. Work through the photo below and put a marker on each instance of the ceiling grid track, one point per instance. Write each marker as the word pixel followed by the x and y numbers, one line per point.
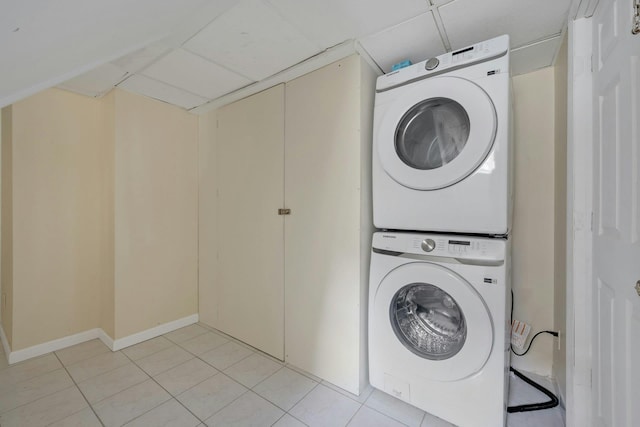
pixel 191 53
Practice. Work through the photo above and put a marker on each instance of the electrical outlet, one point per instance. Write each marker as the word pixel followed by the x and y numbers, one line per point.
pixel 519 333
pixel 559 338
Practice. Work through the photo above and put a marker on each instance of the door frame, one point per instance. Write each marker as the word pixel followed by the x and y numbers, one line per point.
pixel 579 223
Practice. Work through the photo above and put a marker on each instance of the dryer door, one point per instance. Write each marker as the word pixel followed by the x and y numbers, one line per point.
pixel 436 133
pixel 434 320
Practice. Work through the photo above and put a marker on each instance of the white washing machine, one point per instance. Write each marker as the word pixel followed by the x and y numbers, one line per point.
pixel 439 324
pixel 441 158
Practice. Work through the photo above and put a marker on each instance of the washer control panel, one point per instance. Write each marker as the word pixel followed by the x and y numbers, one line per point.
pixel 428 245
pixel 442 245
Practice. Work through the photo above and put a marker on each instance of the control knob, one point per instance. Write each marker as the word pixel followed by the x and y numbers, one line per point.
pixel 431 64
pixel 428 245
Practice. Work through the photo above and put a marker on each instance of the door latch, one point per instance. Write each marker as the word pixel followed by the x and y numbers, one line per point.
pixel 284 211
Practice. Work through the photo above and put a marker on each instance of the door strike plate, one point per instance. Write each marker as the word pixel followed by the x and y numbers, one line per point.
pixel 284 211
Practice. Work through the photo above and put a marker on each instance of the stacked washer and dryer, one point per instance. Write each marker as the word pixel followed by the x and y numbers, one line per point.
pixel 439 295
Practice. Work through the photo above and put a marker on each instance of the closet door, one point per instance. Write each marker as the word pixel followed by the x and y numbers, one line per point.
pixel 322 235
pixel 250 231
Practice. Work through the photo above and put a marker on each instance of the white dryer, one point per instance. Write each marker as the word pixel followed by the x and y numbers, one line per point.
pixel 439 324
pixel 441 158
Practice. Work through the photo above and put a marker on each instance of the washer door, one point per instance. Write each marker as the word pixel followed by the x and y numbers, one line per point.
pixel 434 319
pixel 437 134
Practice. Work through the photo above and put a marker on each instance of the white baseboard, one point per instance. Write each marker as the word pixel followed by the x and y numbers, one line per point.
pixel 5 343
pixel 156 331
pixel 114 345
pixel 48 347
pixel 105 338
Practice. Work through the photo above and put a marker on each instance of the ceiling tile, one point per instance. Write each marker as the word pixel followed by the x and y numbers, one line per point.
pixel 195 74
pixel 416 40
pixel 253 40
pixel 470 21
pixel 330 22
pixel 44 43
pixel 161 91
pixel 135 61
pixel 97 81
pixel 535 56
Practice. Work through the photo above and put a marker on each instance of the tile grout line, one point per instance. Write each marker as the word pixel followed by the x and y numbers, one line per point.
pixel 190 338
pixel 39 398
pixel 124 389
pixel 243 344
pixel 89 358
pixel 222 370
pixel 269 376
pixel 343 392
pixel 176 397
pixel 301 399
pixel 275 404
pixel 285 412
pixel 423 417
pixel 36 376
pixel 392 417
pixel 172 397
pixel 78 388
pixel 354 414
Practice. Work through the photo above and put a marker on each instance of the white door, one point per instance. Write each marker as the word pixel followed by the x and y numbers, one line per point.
pixel 616 222
pixel 250 231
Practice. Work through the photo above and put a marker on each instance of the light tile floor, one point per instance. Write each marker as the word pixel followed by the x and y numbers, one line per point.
pixel 196 376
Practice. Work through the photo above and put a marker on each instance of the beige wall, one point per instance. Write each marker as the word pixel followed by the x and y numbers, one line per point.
pixel 60 215
pixel 156 202
pixel 534 217
pixel 560 244
pixel 99 213
pixel 207 289
pixel 107 152
pixel 6 289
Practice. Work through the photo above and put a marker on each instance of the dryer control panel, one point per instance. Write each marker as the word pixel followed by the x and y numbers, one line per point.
pixel 442 245
pixel 475 54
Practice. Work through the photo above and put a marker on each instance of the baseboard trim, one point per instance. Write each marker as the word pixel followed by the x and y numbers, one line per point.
pixel 105 338
pixel 156 331
pixel 114 345
pixel 54 345
pixel 5 343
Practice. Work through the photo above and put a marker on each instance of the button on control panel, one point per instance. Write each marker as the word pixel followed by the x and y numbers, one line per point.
pixel 431 64
pixel 428 245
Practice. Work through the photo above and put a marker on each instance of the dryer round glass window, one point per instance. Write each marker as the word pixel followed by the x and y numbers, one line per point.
pixel 428 321
pixel 432 133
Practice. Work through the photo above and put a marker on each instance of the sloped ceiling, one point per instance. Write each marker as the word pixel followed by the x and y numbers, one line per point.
pixel 192 52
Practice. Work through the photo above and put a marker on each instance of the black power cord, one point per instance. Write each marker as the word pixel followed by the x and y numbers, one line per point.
pixel 533 406
pixel 553 402
pixel 554 333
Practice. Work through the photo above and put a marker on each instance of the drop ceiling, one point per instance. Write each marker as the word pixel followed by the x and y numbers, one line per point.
pixel 194 53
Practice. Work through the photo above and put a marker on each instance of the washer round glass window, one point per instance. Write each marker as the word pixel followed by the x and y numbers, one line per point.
pixel 432 133
pixel 428 321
